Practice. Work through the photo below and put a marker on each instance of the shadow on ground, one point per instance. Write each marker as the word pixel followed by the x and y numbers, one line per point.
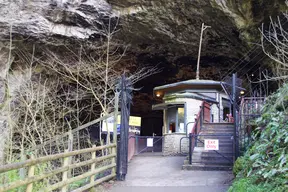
pixel 158 173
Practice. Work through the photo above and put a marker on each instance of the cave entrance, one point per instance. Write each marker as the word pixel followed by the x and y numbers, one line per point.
pixel 152 124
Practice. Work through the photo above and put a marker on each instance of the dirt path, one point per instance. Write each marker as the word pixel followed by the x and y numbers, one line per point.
pixel 158 173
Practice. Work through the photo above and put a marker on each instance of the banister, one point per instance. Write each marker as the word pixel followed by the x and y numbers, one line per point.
pixel 30 162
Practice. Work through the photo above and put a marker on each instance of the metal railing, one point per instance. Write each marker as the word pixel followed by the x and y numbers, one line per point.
pixel 141 144
pixel 250 110
pixel 223 145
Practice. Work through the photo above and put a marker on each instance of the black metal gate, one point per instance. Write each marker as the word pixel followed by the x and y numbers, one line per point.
pixel 148 144
pixel 224 155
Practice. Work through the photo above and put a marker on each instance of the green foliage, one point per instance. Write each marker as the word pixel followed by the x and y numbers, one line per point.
pixel 239 165
pixel 264 166
pixel 14 175
pixel 78 184
pixel 252 184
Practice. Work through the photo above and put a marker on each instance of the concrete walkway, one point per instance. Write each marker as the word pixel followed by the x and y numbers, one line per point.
pixel 158 173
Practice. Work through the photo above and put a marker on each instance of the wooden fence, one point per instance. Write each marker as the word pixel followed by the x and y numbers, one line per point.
pixel 32 178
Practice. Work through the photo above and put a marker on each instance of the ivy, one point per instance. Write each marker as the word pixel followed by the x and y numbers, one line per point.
pixel 266 162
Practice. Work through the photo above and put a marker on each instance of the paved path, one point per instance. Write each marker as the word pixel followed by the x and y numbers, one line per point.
pixel 158 173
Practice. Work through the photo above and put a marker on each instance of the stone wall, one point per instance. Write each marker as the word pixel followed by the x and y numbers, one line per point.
pixel 171 144
pixel 215 112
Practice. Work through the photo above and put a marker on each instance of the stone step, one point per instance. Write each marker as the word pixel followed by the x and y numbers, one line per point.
pixel 202 138
pixel 202 167
pixel 200 152
pixel 228 160
pixel 212 153
pixel 215 157
pixel 209 162
pixel 220 141
pixel 217 125
pixel 221 145
pixel 200 149
pixel 223 138
pixel 211 156
pixel 220 130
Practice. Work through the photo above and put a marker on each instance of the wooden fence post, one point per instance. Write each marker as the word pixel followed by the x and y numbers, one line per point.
pixel 93 165
pixel 31 172
pixel 65 173
pixel 70 148
pixel 22 171
pixel 114 149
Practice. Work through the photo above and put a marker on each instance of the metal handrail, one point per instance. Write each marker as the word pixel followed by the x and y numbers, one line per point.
pixel 194 129
pixel 181 144
pixel 228 135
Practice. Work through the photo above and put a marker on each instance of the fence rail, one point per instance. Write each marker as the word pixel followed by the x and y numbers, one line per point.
pixel 33 162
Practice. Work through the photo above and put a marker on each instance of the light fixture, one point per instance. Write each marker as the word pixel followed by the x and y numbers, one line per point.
pixel 252 75
pixel 242 92
pixel 158 95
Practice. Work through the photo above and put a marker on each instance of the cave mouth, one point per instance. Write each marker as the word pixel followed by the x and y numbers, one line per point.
pixel 184 68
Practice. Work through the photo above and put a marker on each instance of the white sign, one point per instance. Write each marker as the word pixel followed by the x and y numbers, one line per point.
pixel 108 125
pixel 211 144
pixel 149 142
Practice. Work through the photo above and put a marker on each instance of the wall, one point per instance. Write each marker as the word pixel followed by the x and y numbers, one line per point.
pixel 192 110
pixel 215 112
pixel 131 146
pixel 171 144
pixel 207 113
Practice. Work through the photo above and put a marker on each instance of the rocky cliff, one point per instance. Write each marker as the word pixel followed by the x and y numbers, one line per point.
pixel 169 27
pixel 157 32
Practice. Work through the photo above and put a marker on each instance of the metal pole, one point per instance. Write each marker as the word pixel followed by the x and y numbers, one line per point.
pixel 235 114
pixel 116 106
pixel 260 83
pixel 190 148
pixel 200 47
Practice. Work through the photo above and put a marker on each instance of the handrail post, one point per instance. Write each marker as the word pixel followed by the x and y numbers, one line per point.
pixel 190 148
pixel 93 165
pixel 201 116
pixel 65 173
pixel 31 172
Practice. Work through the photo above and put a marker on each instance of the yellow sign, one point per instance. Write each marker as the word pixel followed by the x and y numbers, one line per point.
pixel 133 121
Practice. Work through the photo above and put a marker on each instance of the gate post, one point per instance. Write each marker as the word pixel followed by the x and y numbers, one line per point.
pixel 122 149
pixel 236 146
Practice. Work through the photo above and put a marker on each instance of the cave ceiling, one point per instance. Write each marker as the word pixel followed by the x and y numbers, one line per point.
pixel 156 32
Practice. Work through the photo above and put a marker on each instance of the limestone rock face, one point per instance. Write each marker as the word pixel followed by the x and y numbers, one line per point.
pixel 168 27
pixel 174 26
pixel 43 19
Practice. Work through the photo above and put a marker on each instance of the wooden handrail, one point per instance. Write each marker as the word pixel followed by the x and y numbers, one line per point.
pixel 30 162
pixel 197 119
pixel 73 179
pixel 74 130
pixel 66 167
pixel 99 181
pixel 33 179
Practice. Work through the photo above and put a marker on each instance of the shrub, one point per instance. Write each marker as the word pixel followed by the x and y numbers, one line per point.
pixel 238 165
pixel 264 167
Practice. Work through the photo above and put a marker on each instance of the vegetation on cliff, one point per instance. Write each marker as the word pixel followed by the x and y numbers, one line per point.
pixel 264 167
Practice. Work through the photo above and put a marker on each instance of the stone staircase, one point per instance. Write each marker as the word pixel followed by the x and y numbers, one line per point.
pixel 211 160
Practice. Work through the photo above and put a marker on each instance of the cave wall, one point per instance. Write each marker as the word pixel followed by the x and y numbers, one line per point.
pixel 156 32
